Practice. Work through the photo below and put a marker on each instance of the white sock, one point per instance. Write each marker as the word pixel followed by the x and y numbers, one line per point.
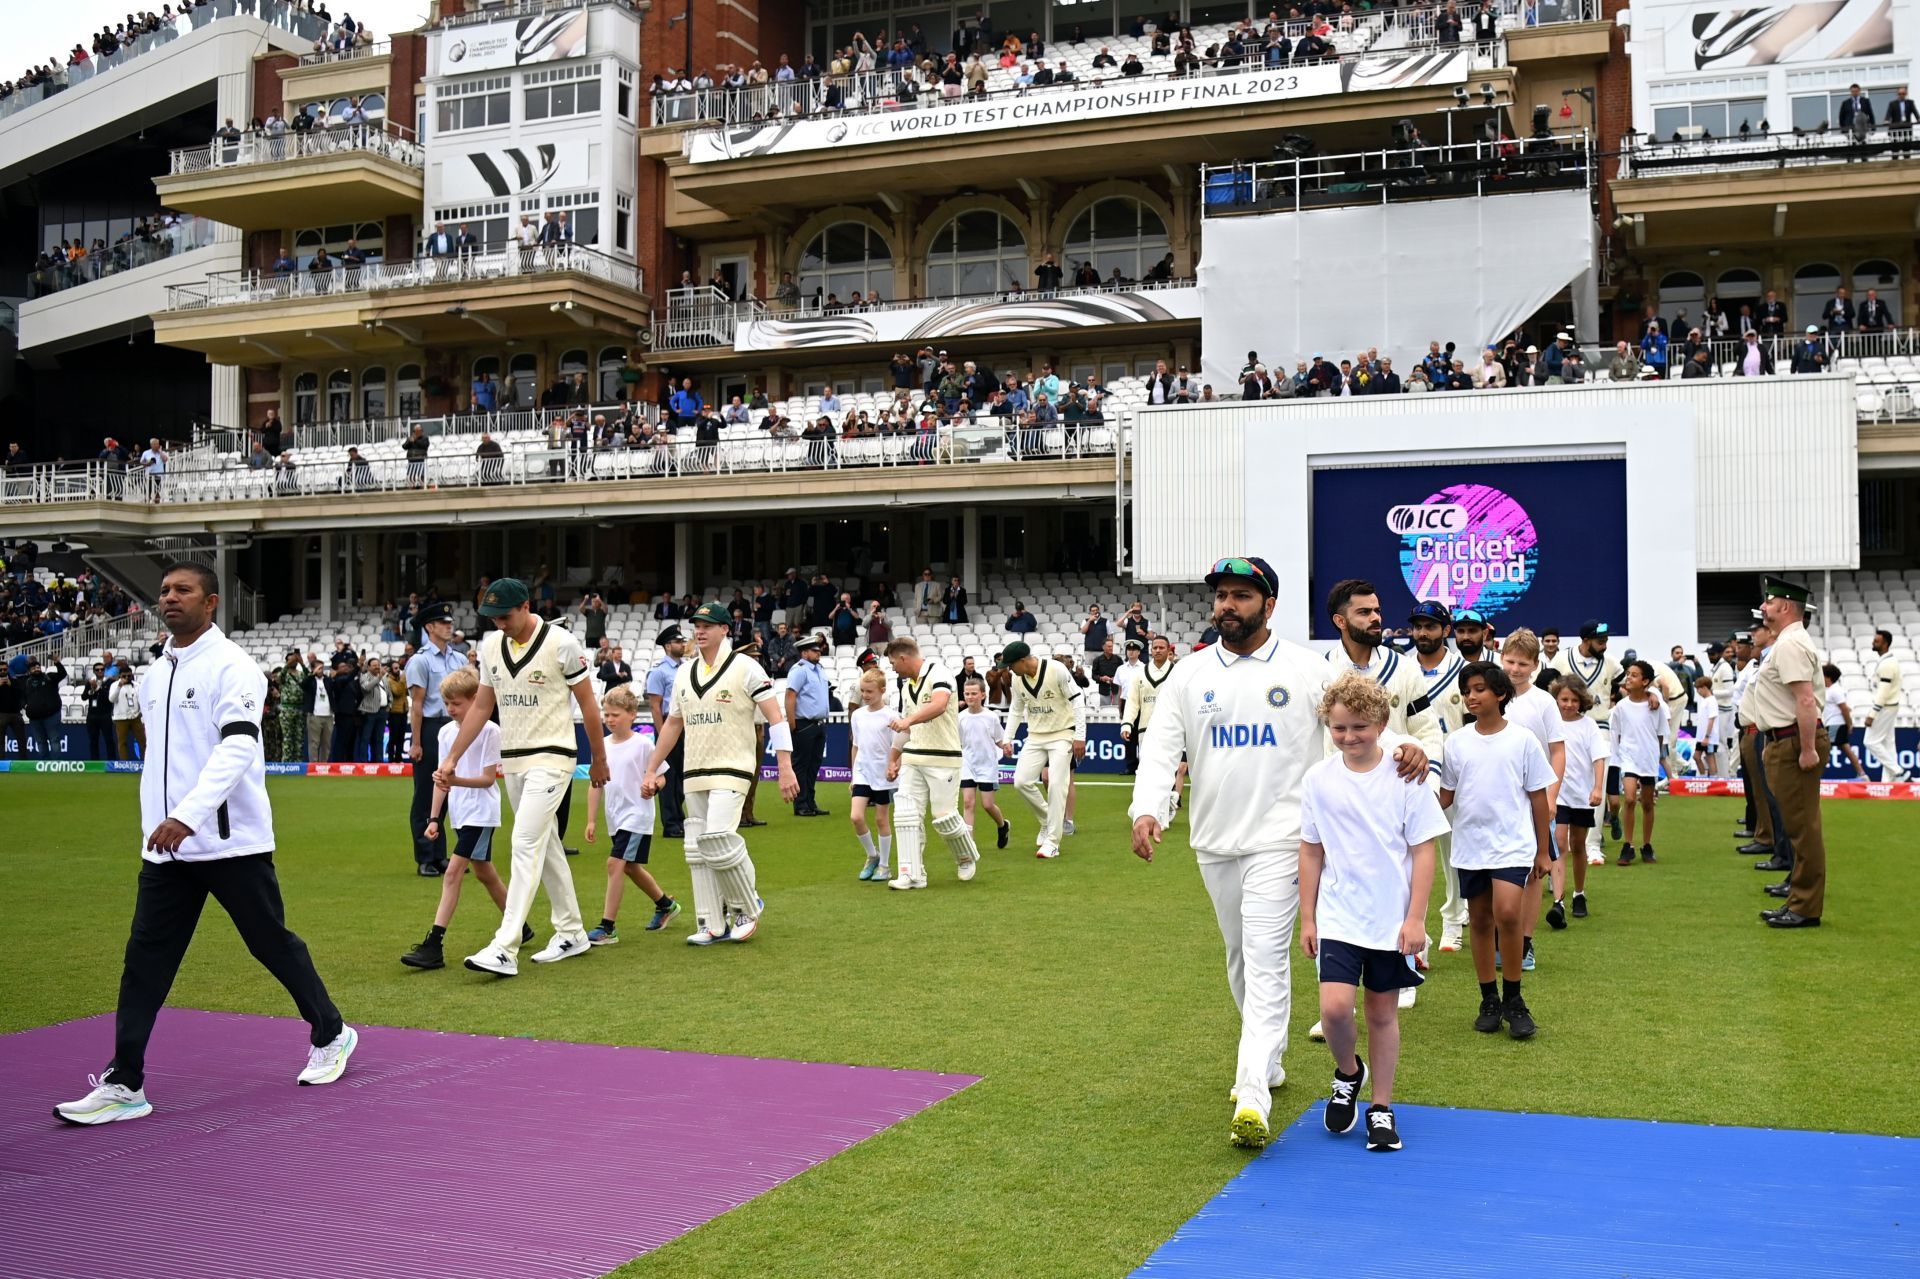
pixel 866 843
pixel 886 849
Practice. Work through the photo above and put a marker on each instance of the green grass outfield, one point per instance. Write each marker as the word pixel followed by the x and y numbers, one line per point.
pixel 1087 992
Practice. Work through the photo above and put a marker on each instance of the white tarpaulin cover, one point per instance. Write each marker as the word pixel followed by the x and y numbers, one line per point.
pixel 1394 276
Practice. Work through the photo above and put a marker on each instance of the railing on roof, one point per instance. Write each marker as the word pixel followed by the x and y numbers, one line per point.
pixel 122 633
pixel 183 234
pixel 372 49
pixel 1353 38
pixel 701 315
pixel 486 12
pixel 539 462
pixel 1644 157
pixel 240 288
pixel 275 13
pixel 258 146
pixel 1419 172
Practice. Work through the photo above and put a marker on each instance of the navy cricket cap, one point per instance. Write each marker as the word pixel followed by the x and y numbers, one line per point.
pixel 1592 629
pixel 1469 617
pixel 1252 568
pixel 1431 611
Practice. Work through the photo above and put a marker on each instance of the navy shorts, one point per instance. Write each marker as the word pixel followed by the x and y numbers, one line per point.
pixel 1642 778
pixel 1574 818
pixel 1478 883
pixel 1346 964
pixel 631 846
pixel 1613 780
pixel 878 798
pixel 967 783
pixel 1841 734
pixel 475 843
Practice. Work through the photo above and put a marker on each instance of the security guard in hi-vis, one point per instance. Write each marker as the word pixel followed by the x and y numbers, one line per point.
pixel 1786 698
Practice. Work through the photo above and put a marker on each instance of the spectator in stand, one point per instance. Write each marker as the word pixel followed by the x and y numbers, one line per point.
pixel 416 447
pixel 1047 276
pixel 1810 354
pixel 1489 374
pixel 1773 316
pixel 1653 350
pixel 953 605
pixel 1624 366
pixel 1021 622
pixel 1094 630
pixel 1701 365
pixel 1754 360
pixel 1105 669
pixel 40 701
pixel 1838 311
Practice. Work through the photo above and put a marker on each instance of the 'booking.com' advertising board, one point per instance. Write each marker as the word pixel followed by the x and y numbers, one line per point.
pixel 1533 544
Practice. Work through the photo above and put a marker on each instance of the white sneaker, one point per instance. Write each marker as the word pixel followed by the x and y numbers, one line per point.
pixel 1317 1033
pixel 1069 827
pixel 966 869
pixel 1449 940
pixel 497 962
pixel 741 927
pixel 905 882
pixel 1407 995
pixel 329 1061
pixel 704 936
pixel 562 948
pixel 107 1103
pixel 1596 859
pixel 1047 852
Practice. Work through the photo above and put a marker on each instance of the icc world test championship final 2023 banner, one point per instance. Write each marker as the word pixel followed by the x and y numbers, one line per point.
pixel 1533 544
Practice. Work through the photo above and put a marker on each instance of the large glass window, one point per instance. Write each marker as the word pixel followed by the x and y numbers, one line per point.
pixel 612 360
pixel 339 395
pixel 1813 111
pixel 306 396
pixel 1683 297
pixel 1884 279
pixel 522 372
pixel 367 237
pixel 1121 232
pixel 551 101
pixel 373 393
pixel 1813 284
pixel 406 391
pixel 1742 284
pixel 1721 119
pixel 978 252
pixel 845 257
pixel 478 104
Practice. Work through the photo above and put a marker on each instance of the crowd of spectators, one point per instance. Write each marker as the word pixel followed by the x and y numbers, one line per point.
pixel 76 261
pixel 909 64
pixel 32 609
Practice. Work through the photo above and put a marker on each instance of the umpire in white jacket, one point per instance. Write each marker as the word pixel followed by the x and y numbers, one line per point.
pixel 206 830
pixel 1246 714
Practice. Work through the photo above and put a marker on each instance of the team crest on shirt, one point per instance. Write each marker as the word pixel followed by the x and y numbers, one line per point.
pixel 1278 696
pixel 724 697
pixel 538 677
pixel 1394 700
pixel 1208 706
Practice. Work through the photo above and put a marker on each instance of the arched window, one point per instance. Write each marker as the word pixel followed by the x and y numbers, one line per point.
pixel 1884 279
pixel 1119 231
pixel 375 105
pixel 524 370
pixel 1683 296
pixel 373 393
pixel 612 360
pixel 368 237
pixel 1739 285
pixel 339 395
pixel 845 257
pixel 571 364
pixel 306 244
pixel 406 391
pixel 1813 284
pixel 978 252
pixel 306 396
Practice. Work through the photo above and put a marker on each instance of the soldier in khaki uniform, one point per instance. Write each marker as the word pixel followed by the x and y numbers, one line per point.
pixel 1785 702
pixel 1759 641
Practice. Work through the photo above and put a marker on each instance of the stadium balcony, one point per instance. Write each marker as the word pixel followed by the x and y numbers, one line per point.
pixel 705 323
pixel 1415 171
pixel 734 154
pixel 260 181
pixel 263 317
pixel 1693 189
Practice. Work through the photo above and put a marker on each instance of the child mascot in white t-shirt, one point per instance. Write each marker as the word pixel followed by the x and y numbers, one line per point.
pixel 629 816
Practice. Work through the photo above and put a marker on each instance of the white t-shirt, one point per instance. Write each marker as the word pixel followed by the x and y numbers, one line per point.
pixel 1830 715
pixel 1706 723
pixel 980 736
pixel 1492 776
pixel 873 742
pixel 1366 822
pixel 1584 743
pixel 627 765
pixel 473 805
pixel 1637 729
pixel 1535 710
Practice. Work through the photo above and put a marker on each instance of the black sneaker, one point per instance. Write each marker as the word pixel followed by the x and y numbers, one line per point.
pixel 1613 824
pixel 1006 829
pixel 1489 1019
pixel 1381 1133
pixel 571 852
pixel 1579 905
pixel 1557 915
pixel 1343 1102
pixel 526 933
pixel 1646 854
pixel 427 870
pixel 1626 856
pixel 426 955
pixel 1519 1020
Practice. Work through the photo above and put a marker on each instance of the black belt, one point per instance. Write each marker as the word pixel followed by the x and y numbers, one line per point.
pixel 810 722
pixel 1780 734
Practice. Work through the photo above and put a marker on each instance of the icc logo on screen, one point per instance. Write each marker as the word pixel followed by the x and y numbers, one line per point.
pixel 1430 517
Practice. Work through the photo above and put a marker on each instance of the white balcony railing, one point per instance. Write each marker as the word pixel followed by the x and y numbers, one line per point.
pixel 275 13
pixel 257 147
pixel 1408 173
pixel 1645 157
pixel 347 53
pixel 485 12
pixel 241 288
pixel 161 241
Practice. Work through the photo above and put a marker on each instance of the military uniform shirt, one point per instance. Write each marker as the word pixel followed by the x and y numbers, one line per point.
pixel 1792 660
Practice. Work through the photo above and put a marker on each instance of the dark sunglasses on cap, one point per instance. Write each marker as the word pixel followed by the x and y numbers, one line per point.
pixel 1236 566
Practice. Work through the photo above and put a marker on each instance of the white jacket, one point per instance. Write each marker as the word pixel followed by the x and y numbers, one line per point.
pixel 1250 728
pixel 204 763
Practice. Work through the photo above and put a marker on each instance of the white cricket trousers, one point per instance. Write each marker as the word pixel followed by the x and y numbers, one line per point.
pixel 1879 738
pixel 924 793
pixel 1050 805
pixel 1256 898
pixel 538 857
pixel 1729 742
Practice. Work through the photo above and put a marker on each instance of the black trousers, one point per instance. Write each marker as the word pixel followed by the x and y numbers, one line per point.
pixel 100 742
pixel 165 914
pixel 1749 785
pixel 427 852
pixel 673 794
pixel 809 748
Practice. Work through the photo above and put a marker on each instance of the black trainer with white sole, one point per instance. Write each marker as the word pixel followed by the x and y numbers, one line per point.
pixel 1382 1134
pixel 1343 1101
